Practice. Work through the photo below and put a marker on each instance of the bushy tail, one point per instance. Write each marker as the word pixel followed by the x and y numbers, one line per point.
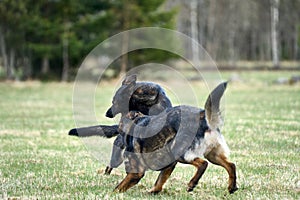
pixel 100 130
pixel 212 106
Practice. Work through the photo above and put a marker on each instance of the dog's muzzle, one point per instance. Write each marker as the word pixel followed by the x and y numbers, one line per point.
pixel 109 113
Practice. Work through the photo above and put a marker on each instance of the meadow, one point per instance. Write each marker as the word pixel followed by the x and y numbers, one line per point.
pixel 38 160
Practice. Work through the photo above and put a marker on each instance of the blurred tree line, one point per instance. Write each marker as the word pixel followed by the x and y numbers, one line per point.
pixel 48 39
pixel 252 30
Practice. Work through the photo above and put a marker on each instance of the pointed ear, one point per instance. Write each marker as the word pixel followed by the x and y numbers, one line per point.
pixel 202 114
pixel 212 106
pixel 129 79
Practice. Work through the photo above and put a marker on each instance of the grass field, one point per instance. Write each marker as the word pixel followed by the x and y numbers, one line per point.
pixel 38 160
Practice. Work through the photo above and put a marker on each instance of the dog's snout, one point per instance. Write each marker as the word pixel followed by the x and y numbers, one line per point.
pixel 109 113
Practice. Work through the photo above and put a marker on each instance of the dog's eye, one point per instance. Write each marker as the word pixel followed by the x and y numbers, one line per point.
pixel 139 91
pixel 153 92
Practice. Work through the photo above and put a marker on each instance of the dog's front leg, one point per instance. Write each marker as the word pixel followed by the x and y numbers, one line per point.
pixel 116 158
pixel 162 178
pixel 130 180
pixel 134 171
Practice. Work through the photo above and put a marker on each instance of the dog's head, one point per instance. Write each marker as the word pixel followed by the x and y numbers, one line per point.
pixel 120 103
pixel 146 97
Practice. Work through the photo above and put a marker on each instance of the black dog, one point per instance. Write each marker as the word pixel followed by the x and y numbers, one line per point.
pixel 179 134
pixel 146 97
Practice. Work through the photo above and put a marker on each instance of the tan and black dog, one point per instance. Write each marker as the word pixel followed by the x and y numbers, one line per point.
pixel 183 134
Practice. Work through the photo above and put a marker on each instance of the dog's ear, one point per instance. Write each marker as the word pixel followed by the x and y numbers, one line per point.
pixel 202 114
pixel 212 106
pixel 129 79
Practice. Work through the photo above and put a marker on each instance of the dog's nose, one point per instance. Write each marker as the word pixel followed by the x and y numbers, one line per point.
pixel 109 113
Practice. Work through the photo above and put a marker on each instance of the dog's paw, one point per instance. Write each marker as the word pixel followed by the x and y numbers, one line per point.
pixel 154 191
pixel 232 189
pixel 190 189
pixel 191 186
pixel 119 189
pixel 108 170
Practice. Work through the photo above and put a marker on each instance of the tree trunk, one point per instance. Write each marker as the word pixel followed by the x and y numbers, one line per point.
pixel 253 53
pixel 65 71
pixel 125 40
pixel 124 58
pixel 11 65
pixel 45 65
pixel 212 40
pixel 27 68
pixel 202 23
pixel 296 35
pixel 231 36
pixel 267 51
pixel 194 31
pixel 274 32
pixel 3 51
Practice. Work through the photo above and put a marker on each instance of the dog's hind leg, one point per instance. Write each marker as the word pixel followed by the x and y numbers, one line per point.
pixel 201 166
pixel 130 180
pixel 221 159
pixel 162 178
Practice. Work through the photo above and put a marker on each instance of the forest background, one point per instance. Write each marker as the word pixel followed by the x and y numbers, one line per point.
pixel 49 39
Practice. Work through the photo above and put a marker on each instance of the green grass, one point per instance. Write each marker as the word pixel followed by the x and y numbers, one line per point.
pixel 39 160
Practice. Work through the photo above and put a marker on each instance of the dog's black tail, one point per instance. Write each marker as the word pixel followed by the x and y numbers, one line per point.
pixel 100 130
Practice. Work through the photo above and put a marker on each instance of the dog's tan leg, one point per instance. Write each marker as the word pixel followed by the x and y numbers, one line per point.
pixel 201 166
pixel 130 180
pixel 221 159
pixel 162 178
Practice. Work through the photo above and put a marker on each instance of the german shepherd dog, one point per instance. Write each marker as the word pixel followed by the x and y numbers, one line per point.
pixel 145 97
pixel 179 134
